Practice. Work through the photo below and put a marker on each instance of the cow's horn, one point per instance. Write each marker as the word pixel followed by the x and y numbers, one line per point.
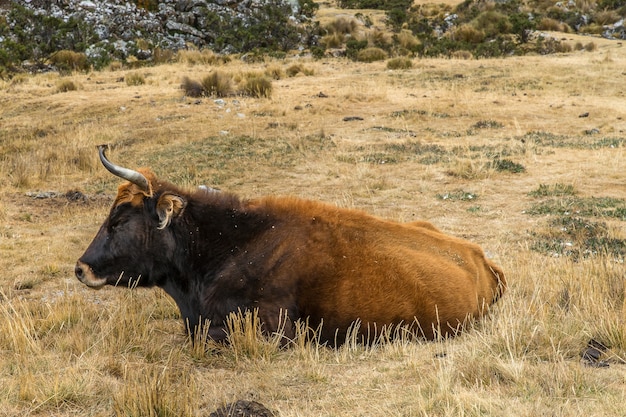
pixel 128 174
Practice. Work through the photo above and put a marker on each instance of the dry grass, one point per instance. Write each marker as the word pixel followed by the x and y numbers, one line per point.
pixel 425 132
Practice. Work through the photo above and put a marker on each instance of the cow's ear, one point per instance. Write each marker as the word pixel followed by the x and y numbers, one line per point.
pixel 168 207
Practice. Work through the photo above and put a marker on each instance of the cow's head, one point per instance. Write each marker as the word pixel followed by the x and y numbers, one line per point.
pixel 135 244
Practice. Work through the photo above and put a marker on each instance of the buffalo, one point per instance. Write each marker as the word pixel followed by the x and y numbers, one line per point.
pixel 289 260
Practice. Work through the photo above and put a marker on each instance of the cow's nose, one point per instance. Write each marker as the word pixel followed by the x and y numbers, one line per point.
pixel 79 271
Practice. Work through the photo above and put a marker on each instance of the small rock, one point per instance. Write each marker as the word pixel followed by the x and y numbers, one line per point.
pixel 242 408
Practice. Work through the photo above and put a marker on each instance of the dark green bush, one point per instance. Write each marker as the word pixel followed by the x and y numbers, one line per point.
pixel 353 47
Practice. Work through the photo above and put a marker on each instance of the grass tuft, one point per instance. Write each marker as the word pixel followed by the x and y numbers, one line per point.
pixel 218 84
pixel 134 78
pixel 257 85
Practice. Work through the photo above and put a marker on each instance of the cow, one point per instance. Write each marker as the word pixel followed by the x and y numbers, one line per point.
pixel 215 254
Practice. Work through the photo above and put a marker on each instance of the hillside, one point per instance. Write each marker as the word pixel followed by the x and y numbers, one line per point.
pixel 80 35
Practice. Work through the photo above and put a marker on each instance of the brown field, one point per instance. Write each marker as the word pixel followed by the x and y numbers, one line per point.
pixel 496 151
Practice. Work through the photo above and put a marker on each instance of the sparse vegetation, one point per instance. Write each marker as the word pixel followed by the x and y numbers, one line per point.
pixel 135 78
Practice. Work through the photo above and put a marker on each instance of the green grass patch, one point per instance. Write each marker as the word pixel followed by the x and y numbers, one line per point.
pixel 578 238
pixel 573 229
pixel 220 158
pixel 607 207
pixel 506 165
pixel 553 190
pixel 573 142
pixel 457 195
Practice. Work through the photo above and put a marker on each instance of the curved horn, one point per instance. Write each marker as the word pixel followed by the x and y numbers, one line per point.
pixel 128 174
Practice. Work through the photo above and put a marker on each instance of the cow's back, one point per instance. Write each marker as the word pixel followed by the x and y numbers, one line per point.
pixel 349 265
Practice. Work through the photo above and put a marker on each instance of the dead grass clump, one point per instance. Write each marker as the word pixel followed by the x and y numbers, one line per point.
pixel 469 34
pixel 68 61
pixel 592 29
pixel 342 25
pixel 399 63
pixel 275 72
pixel 296 69
pixel 156 392
pixel 407 40
pixel 115 66
pixel 257 85
pixel 134 79
pixel 606 17
pixel 378 38
pixel 194 56
pixel 19 79
pixel 218 84
pixel 163 56
pixel 246 339
pixel 191 87
pixel 590 47
pixel 470 169
pixel 550 24
pixel 461 55
pixel 333 40
pixel 371 54
pixel 63 86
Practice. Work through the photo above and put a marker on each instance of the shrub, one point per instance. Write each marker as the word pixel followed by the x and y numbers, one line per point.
pixel 318 52
pixel 134 79
pixel 69 61
pixel 354 46
pixel 371 54
pixel 257 86
pixel 493 23
pixel 217 83
pixel 399 63
pixel 192 88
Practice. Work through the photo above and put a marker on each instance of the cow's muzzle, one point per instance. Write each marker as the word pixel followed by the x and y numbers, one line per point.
pixel 85 274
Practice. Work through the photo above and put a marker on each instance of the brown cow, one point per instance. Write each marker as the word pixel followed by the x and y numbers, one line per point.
pixel 215 253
